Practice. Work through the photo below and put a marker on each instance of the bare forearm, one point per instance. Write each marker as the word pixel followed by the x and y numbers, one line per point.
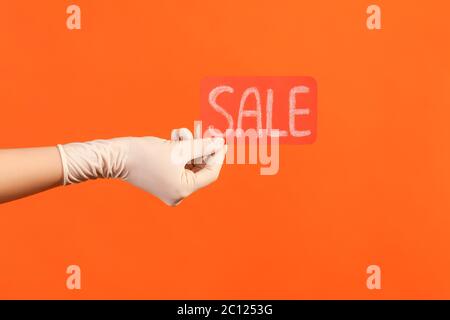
pixel 27 171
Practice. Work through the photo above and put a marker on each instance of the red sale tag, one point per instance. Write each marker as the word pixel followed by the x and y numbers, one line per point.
pixel 283 106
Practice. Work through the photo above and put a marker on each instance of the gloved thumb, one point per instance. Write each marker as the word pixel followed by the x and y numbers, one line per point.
pixel 187 150
pixel 181 134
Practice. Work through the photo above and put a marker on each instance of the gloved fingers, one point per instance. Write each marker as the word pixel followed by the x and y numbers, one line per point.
pixel 198 148
pixel 181 134
pixel 212 168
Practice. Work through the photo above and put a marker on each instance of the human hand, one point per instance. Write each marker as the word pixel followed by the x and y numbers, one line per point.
pixel 158 166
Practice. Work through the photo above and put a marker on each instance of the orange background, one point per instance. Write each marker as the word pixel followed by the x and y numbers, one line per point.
pixel 373 189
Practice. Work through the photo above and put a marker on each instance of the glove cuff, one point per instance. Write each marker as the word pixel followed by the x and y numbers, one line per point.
pixel 93 160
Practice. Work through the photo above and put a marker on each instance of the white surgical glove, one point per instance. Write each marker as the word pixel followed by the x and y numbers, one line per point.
pixel 155 165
